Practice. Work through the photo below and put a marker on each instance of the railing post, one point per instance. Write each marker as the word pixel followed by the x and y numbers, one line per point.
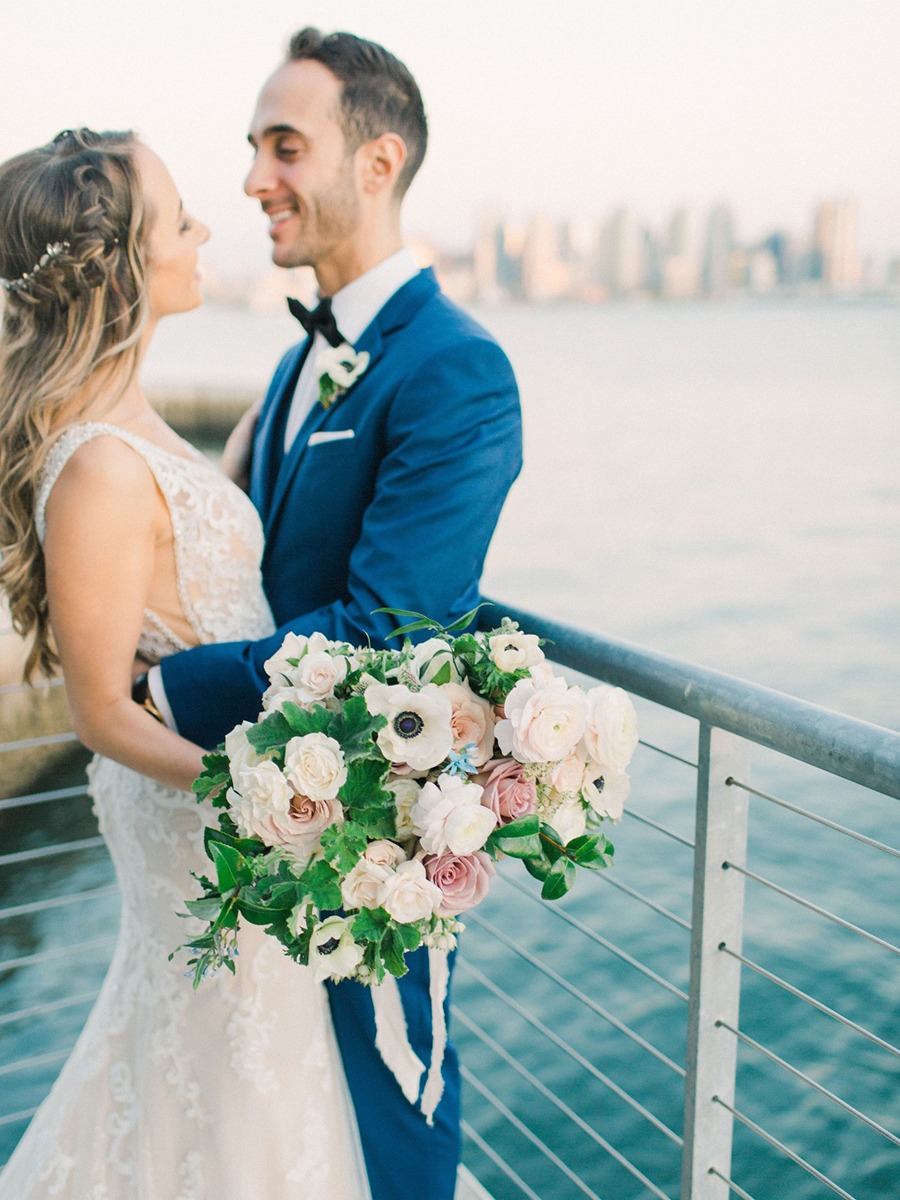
pixel 718 913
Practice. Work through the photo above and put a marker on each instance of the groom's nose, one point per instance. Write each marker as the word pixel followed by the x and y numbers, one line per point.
pixel 260 177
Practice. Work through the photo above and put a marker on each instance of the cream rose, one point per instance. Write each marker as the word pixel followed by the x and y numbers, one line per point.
pixel 543 723
pixel 263 789
pixel 611 730
pixel 361 886
pixel 406 793
pixel 241 755
pixel 472 722
pixel 408 894
pixel 314 766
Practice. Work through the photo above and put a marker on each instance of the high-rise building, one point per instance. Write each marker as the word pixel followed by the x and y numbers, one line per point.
pixel 717 251
pixel 836 240
pixel 681 264
pixel 545 275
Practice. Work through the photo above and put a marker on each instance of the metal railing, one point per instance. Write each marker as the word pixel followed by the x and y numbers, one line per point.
pixel 663 1031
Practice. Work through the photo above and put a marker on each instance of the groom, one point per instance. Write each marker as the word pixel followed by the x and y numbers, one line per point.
pixel 388 497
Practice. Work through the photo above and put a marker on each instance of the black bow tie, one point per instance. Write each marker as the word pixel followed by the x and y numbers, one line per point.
pixel 321 319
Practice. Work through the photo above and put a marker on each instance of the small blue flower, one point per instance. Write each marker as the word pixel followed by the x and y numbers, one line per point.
pixel 461 763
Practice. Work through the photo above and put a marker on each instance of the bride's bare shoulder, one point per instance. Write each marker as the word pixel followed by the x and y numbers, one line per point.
pixel 101 472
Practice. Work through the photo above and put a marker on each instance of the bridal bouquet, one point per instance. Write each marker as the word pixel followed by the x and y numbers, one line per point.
pixel 362 813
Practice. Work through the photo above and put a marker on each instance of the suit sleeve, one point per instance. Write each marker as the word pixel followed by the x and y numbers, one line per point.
pixel 453 447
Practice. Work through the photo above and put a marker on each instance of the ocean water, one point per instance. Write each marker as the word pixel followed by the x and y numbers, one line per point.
pixel 720 483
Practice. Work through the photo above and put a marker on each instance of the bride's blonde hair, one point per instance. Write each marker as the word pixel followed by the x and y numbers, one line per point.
pixel 73 228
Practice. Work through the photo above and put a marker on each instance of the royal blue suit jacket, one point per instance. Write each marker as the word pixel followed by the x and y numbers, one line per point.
pixel 400 515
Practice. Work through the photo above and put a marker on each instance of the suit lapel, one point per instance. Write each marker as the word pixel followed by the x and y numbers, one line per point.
pixel 398 311
pixel 268 445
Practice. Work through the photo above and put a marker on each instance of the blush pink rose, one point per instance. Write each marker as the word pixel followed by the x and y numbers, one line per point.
pixel 463 880
pixel 472 722
pixel 508 792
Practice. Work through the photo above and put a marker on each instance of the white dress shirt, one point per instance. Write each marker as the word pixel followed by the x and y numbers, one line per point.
pixel 355 307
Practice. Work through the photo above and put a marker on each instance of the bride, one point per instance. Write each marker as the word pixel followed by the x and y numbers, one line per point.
pixel 118 538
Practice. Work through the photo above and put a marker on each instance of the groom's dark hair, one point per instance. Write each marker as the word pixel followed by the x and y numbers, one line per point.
pixel 379 93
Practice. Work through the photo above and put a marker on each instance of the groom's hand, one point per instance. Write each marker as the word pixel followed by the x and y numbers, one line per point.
pixel 238 449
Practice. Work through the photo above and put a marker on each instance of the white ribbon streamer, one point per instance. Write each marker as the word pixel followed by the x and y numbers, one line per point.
pixel 392 1037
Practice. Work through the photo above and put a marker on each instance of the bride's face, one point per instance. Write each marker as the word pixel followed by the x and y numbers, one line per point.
pixel 172 279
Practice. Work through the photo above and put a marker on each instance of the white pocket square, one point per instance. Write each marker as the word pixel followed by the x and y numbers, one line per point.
pixel 329 435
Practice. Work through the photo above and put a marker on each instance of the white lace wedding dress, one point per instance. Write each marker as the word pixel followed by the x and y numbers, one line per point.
pixel 233 1092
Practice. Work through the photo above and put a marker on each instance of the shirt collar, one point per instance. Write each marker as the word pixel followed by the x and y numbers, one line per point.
pixel 356 305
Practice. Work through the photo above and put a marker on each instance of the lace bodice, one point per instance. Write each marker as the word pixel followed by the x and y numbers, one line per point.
pixel 217 534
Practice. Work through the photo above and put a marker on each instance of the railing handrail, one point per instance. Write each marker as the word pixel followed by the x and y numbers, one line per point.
pixel 855 750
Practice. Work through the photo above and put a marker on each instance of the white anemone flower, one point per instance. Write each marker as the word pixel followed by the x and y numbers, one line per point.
pixel 418 731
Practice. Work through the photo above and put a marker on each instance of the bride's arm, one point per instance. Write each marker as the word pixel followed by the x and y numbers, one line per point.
pixel 105 516
pixel 239 448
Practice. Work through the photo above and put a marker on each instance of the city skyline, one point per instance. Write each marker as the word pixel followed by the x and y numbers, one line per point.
pixel 646 107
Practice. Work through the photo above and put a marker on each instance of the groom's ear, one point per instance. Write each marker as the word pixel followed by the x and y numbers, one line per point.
pixel 380 163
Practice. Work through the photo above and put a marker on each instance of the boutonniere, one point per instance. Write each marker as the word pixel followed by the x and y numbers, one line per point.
pixel 338 368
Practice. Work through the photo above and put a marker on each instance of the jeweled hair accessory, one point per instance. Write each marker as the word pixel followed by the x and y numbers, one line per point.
pixel 23 282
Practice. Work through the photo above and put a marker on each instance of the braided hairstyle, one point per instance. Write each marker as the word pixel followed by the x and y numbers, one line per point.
pixel 73 228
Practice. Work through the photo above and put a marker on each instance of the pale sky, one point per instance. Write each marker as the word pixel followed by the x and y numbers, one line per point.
pixel 572 107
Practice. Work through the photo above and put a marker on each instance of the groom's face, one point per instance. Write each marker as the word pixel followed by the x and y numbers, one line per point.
pixel 302 174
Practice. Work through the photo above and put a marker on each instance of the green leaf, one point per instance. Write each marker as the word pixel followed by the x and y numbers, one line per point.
pixel 444 675
pixel 322 883
pixel 466 621
pixel 249 847
pixel 255 912
pixel 231 866
pixel 370 925
pixel 519 839
pixel 209 784
pixel 206 909
pixel 559 879
pixel 371 807
pixel 343 845
pixel 551 843
pixel 538 867
pixel 308 720
pixel 590 850
pixel 355 729
pixel 227 918
pixel 410 936
pixel 392 953
pixel 272 732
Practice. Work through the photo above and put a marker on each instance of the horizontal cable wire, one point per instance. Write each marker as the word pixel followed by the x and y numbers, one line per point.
pixel 48 739
pixel 520 1125
pixel 39 1060
pixel 37 906
pixel 561 915
pixel 9 689
pixel 783 1149
pixel 667 753
pixel 605 877
pixel 40 1010
pixel 738 1191
pixel 43 797
pixel 670 833
pixel 21 856
pixel 14 1118
pixel 817 909
pixel 801 1075
pixel 804 812
pixel 595 1008
pixel 499 1162
pixel 817 1004
pixel 572 1053
pixel 27 960
pixel 558 1103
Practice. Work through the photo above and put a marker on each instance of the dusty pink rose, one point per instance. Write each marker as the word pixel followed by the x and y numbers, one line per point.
pixel 303 825
pixel 463 880
pixel 472 722
pixel 507 790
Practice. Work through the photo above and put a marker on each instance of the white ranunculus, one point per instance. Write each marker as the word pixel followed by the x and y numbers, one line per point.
pixel 609 801
pixel 361 886
pixel 449 815
pixel 611 731
pixel 408 894
pixel 544 722
pixel 333 953
pixel 341 363
pixel 241 755
pixel 418 729
pixel 513 650
pixel 569 820
pixel 314 766
pixel 430 657
pixel 406 793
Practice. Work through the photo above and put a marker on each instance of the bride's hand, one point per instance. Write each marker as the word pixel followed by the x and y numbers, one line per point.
pixel 236 455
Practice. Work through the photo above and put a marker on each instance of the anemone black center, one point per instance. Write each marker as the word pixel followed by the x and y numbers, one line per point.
pixel 408 725
pixel 330 946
